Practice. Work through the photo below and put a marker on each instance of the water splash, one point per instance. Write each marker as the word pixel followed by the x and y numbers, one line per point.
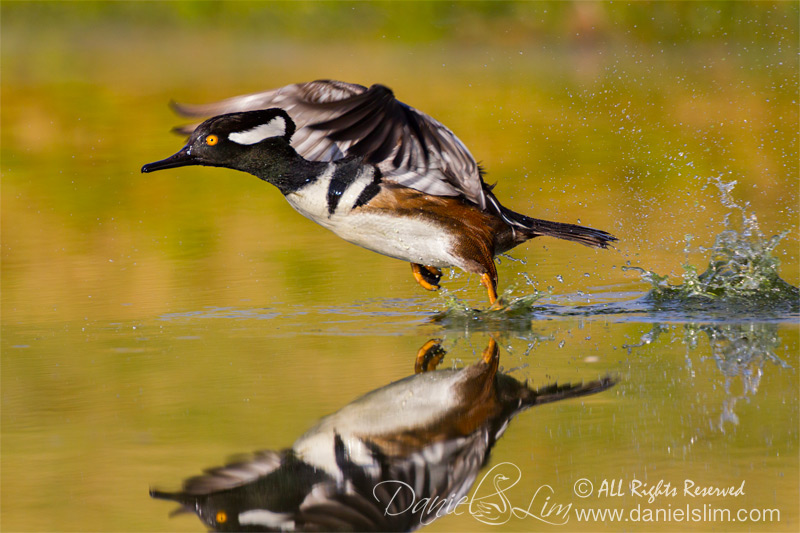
pixel 510 309
pixel 742 270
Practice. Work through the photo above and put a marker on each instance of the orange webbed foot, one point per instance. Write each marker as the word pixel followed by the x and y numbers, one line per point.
pixel 427 276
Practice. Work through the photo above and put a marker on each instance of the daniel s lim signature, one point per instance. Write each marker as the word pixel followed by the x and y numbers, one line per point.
pixel 489 503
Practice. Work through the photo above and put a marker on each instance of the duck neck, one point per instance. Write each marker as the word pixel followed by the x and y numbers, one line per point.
pixel 276 162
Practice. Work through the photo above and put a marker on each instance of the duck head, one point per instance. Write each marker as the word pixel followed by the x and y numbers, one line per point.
pixel 252 141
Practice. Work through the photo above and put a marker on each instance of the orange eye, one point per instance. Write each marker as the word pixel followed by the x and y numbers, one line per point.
pixel 222 516
pixel 211 140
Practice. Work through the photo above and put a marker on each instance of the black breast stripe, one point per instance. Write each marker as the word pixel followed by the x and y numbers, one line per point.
pixel 370 191
pixel 346 173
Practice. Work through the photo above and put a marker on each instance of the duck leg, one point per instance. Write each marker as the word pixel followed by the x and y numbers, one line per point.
pixel 491 356
pixel 427 276
pixel 429 356
pixel 491 287
pixel 480 386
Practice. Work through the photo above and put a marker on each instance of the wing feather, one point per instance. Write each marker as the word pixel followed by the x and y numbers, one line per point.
pixel 336 119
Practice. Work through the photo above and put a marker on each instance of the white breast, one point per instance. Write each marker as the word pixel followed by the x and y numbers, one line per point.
pixel 415 402
pixel 410 239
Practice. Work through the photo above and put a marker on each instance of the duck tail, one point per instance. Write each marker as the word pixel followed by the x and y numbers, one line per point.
pixel 525 227
pixel 557 392
pixel 534 227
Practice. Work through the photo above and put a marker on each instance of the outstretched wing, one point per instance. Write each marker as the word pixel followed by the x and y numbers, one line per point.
pixel 336 119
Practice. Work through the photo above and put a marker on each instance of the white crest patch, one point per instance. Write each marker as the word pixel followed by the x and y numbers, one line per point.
pixel 274 128
pixel 262 517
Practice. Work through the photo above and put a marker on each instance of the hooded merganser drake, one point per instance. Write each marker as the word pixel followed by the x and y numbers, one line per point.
pixel 361 470
pixel 373 170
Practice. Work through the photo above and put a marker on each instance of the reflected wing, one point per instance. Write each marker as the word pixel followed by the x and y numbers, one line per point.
pixel 223 478
pixel 234 474
pixel 277 490
pixel 335 119
pixel 382 497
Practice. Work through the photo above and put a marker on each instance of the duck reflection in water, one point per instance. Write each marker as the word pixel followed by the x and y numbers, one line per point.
pixel 429 433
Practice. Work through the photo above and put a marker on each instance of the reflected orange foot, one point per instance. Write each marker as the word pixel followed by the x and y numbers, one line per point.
pixel 429 356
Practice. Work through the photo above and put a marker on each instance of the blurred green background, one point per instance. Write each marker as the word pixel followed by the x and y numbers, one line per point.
pixel 154 324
